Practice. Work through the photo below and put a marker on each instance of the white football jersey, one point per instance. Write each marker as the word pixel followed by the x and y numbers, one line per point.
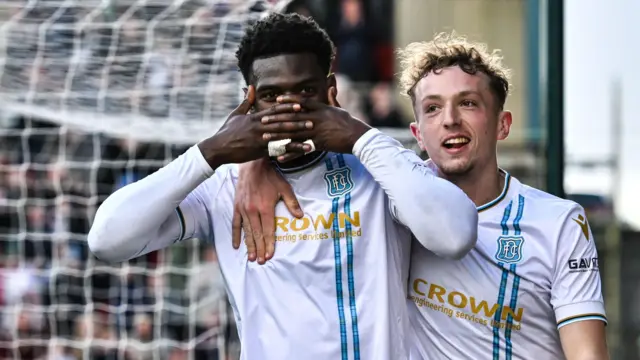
pixel 336 286
pixel 534 269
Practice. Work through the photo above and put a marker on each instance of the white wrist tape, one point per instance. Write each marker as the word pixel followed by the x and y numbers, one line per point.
pixel 278 147
pixel 310 143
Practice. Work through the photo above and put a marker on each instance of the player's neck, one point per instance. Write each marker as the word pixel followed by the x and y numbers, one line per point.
pixel 301 162
pixel 482 185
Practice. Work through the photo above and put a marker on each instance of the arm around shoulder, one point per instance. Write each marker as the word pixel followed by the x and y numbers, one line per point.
pixel 444 219
pixel 439 214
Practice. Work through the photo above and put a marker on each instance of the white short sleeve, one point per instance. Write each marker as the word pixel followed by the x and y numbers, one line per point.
pixel 576 292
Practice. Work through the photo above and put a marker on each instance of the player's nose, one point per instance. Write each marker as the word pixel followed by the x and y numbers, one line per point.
pixel 290 97
pixel 450 116
pixel 293 93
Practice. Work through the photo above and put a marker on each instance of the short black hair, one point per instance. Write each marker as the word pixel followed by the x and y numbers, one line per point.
pixel 279 34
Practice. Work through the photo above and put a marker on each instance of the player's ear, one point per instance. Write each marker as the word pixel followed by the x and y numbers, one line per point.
pixel 245 90
pixel 332 81
pixel 332 90
pixel 505 120
pixel 415 126
pixel 415 130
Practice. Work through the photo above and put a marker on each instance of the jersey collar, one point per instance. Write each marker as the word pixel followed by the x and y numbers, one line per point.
pixel 308 165
pixel 492 203
pixel 503 194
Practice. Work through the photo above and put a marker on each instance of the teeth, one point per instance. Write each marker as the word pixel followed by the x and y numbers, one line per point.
pixel 458 140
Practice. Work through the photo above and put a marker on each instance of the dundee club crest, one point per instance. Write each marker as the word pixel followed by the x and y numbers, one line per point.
pixel 338 181
pixel 509 249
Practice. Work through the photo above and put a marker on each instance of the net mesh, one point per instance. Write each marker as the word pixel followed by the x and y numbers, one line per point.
pixel 95 95
pixel 59 300
pixel 150 70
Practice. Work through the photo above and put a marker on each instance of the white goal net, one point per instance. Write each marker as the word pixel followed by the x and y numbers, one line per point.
pixel 94 95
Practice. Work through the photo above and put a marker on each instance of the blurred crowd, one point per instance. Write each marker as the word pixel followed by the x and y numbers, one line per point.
pixel 56 300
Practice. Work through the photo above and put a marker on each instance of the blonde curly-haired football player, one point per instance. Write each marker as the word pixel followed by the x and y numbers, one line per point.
pixel 531 286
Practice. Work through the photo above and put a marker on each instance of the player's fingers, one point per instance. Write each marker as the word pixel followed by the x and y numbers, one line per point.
pixel 248 237
pixel 298 148
pixel 288 117
pixel 258 236
pixel 268 217
pixel 290 200
pixel 305 103
pixel 288 157
pixel 236 229
pixel 297 135
pixel 268 131
pixel 246 104
pixel 290 98
pixel 277 109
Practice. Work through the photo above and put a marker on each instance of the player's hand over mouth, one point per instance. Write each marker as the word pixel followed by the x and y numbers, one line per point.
pixel 334 129
pixel 243 137
pixel 260 187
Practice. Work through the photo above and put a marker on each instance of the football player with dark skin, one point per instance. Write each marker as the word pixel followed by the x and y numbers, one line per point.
pixel 304 81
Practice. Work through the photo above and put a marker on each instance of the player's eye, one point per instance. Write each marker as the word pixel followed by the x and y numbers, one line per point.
pixel 268 96
pixel 430 108
pixel 468 103
pixel 308 91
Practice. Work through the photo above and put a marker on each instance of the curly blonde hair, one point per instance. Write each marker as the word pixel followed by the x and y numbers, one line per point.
pixel 418 59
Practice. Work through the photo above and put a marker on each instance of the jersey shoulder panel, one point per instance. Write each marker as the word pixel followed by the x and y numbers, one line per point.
pixel 549 212
pixel 527 228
